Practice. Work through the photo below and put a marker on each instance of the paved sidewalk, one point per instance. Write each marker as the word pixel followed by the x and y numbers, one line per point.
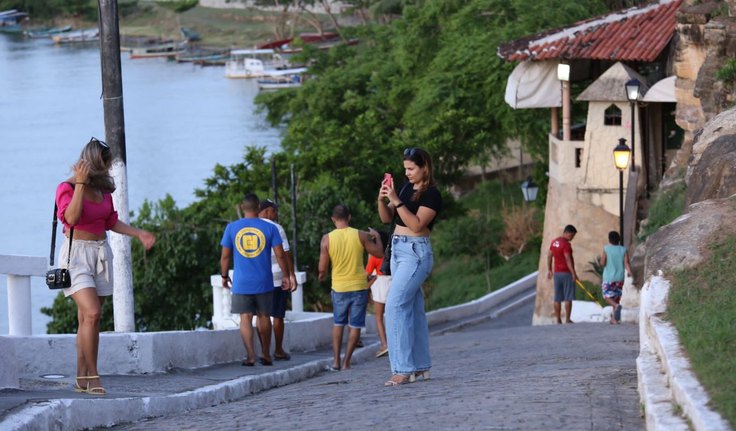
pixel 499 375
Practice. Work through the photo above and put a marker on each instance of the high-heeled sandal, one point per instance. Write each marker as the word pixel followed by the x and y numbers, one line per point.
pixel 95 390
pixel 423 375
pixel 399 379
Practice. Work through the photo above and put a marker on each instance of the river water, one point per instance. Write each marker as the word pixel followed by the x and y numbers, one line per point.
pixel 180 120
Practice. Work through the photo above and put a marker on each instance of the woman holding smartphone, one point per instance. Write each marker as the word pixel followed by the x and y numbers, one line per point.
pixel 414 209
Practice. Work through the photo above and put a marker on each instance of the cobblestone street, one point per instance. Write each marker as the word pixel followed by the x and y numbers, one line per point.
pixel 499 375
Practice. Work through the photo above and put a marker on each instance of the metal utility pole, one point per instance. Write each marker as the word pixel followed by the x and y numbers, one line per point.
pixel 112 103
pixel 294 242
pixel 273 181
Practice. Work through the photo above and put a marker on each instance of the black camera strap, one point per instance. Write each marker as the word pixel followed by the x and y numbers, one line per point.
pixel 53 237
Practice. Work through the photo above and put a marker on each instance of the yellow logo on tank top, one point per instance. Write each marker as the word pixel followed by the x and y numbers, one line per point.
pixel 250 242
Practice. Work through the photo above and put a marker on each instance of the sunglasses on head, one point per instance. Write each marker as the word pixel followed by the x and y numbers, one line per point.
pixel 409 152
pixel 105 147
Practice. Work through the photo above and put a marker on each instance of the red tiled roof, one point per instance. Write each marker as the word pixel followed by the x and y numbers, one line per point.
pixel 636 34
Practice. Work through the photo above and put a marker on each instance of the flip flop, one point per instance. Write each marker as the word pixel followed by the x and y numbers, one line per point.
pixel 247 363
pixel 265 362
pixel 286 357
pixel 381 353
pixel 331 368
pixel 617 313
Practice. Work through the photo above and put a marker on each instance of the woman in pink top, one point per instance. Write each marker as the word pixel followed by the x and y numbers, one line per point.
pixel 85 207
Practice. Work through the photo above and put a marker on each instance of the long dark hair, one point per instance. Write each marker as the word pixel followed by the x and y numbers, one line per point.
pixel 422 159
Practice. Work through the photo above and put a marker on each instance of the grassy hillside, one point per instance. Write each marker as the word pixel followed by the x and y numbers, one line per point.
pixel 701 306
pixel 467 260
pixel 241 28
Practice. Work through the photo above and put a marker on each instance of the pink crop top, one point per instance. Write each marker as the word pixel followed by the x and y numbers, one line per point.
pixel 96 217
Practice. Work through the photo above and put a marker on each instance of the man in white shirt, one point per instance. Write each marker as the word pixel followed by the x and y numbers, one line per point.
pixel 268 213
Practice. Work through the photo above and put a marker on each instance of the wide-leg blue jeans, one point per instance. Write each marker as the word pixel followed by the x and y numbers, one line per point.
pixel 406 323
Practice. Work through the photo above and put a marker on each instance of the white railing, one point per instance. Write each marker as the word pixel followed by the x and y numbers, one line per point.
pixel 19 270
pixel 222 318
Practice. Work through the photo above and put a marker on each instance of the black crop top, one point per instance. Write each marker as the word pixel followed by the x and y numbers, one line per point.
pixel 430 198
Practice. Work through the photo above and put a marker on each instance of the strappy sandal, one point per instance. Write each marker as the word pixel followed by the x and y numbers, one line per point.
pixel 95 390
pixel 78 388
pixel 423 375
pixel 399 379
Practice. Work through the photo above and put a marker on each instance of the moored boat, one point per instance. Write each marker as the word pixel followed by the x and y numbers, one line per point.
pixel 283 78
pixel 169 49
pixel 10 21
pixel 47 33
pixel 200 55
pixel 253 63
pixel 288 47
pixel 78 36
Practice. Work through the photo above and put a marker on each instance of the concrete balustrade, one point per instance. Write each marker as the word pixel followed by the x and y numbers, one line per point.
pixel 19 270
pixel 222 318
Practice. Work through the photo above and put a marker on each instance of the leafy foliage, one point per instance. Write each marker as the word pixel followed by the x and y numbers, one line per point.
pixel 428 80
pixel 178 6
pixel 45 9
pixel 667 206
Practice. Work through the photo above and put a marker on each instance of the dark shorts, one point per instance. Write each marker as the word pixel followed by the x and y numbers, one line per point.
pixel 349 305
pixel 278 308
pixel 564 287
pixel 252 304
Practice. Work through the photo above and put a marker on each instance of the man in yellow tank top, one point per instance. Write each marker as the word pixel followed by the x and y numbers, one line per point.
pixel 345 248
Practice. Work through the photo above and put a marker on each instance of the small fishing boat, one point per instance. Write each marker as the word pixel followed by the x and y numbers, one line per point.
pixel 78 36
pixel 200 55
pixel 10 21
pixel 283 78
pixel 46 33
pixel 169 49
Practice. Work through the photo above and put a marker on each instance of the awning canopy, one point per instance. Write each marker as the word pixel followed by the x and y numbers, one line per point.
pixel 663 91
pixel 534 84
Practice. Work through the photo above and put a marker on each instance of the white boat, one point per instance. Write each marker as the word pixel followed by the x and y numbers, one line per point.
pixel 252 63
pixel 282 78
pixel 79 36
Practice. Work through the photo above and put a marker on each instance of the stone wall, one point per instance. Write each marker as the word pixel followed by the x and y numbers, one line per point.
pixel 593 224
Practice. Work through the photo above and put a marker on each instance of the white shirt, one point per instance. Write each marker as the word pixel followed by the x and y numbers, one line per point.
pixel 278 276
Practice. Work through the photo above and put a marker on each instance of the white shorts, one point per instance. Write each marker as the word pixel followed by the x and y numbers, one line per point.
pixel 379 288
pixel 90 266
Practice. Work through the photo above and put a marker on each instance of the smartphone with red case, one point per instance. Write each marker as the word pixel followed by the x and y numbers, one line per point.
pixel 386 178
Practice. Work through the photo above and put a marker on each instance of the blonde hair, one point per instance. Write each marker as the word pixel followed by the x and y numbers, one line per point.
pixel 99 157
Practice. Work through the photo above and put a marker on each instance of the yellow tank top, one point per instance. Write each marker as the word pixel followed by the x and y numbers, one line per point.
pixel 346 256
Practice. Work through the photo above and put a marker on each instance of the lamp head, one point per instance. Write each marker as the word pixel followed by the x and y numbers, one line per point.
pixel 529 189
pixel 632 90
pixel 563 72
pixel 621 155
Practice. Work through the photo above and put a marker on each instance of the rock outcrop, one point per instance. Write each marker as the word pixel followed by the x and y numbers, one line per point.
pixel 684 242
pixel 706 39
pixel 715 176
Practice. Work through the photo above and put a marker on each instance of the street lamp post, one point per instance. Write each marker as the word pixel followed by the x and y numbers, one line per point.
pixel 621 159
pixel 529 189
pixel 632 94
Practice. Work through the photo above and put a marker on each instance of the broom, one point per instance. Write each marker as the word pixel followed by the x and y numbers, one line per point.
pixel 588 293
